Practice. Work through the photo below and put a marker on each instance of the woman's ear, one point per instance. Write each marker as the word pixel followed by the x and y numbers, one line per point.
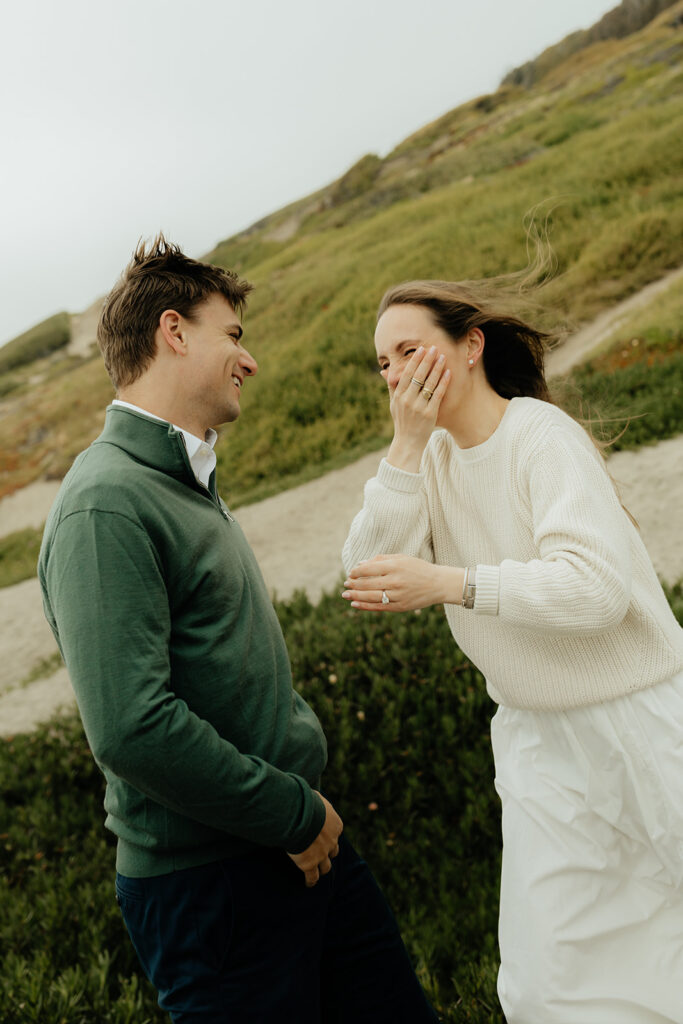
pixel 475 346
pixel 171 331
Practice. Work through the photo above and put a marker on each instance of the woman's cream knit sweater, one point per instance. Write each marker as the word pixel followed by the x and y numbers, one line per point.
pixel 569 610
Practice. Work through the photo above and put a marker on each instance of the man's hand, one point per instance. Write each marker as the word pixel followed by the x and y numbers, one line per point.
pixel 315 861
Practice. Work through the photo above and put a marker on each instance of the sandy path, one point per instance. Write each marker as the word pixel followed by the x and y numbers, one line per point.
pixel 579 346
pixel 27 507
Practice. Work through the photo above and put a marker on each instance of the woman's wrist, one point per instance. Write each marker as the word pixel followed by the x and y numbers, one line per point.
pixel 450 583
pixel 406 455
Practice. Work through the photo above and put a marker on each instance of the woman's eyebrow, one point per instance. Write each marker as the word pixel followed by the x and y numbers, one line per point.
pixel 398 348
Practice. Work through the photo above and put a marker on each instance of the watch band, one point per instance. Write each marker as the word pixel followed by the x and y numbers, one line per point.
pixel 469 590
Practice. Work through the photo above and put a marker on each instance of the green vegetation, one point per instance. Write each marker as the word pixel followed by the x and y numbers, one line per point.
pixel 632 387
pixel 603 144
pixel 634 383
pixel 621 21
pixel 652 332
pixel 43 668
pixel 407 719
pixel 19 555
pixel 46 337
pixel 639 403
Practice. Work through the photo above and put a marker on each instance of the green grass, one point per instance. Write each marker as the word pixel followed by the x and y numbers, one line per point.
pixel 19 555
pixel 655 328
pixel 644 400
pixel 41 340
pixel 43 669
pixel 634 382
pixel 604 142
pixel 634 391
pixel 407 720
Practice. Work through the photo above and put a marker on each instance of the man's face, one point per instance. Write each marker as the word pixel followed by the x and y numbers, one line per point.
pixel 217 365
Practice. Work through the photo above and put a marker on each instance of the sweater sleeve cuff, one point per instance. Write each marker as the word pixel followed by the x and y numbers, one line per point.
pixel 488 590
pixel 398 479
pixel 315 814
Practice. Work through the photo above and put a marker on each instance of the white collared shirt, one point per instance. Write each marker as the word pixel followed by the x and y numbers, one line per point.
pixel 200 453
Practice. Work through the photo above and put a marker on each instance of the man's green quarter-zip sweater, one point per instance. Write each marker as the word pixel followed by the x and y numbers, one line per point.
pixel 176 657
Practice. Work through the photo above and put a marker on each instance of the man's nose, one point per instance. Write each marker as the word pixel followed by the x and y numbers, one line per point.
pixel 248 364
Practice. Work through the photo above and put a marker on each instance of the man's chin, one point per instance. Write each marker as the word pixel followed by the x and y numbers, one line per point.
pixel 230 414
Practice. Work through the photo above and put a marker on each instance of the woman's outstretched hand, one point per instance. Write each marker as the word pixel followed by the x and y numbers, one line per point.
pixel 401 583
pixel 414 404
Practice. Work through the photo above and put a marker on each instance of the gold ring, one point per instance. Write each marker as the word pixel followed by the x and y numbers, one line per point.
pixel 420 383
pixel 427 392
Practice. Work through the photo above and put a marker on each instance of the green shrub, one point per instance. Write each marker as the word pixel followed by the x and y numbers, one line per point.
pixel 643 400
pixel 19 555
pixel 39 341
pixel 407 721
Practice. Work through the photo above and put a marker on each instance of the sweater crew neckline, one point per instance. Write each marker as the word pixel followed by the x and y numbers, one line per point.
pixel 489 446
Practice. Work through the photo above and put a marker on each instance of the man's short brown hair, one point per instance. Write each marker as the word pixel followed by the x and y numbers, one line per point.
pixel 159 277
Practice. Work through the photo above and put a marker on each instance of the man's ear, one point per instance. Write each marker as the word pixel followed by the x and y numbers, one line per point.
pixel 171 326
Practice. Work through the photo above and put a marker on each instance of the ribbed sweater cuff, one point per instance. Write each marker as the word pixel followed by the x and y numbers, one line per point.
pixel 488 590
pixel 398 479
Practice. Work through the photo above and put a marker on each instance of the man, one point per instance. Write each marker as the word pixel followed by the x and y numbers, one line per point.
pixel 244 901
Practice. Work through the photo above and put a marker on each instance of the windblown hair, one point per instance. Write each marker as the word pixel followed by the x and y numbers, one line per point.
pixel 514 351
pixel 159 277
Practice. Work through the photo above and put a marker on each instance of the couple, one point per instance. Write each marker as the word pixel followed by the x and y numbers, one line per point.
pixel 242 896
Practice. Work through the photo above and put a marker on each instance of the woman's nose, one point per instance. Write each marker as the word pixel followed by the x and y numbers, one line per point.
pixel 392 376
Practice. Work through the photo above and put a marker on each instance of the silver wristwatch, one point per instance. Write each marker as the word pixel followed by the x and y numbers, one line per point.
pixel 469 590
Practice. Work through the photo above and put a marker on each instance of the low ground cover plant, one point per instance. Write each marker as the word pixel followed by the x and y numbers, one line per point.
pixel 407 719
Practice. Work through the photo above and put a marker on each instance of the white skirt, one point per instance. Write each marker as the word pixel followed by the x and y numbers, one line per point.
pixel 591 905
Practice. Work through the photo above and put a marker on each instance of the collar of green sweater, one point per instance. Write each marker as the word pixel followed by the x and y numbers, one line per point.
pixel 150 442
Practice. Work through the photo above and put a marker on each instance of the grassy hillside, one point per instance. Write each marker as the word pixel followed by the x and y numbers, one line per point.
pixel 46 337
pixel 601 135
pixel 628 17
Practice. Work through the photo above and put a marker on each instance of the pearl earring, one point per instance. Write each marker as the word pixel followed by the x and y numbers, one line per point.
pixel 471 362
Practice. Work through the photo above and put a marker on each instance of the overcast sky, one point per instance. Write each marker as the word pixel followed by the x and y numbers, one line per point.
pixel 122 118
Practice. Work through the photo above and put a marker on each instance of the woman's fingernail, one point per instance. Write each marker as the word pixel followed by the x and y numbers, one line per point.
pixel 441 358
pixel 432 350
pixel 346 593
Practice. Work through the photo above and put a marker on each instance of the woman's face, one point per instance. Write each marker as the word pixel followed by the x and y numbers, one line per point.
pixel 401 330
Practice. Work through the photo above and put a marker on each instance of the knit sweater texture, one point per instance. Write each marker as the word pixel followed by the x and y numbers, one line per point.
pixel 176 657
pixel 568 610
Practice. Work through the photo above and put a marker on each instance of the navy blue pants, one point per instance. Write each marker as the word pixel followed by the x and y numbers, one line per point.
pixel 243 941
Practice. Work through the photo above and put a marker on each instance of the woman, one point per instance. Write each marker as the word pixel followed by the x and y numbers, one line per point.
pixel 497 504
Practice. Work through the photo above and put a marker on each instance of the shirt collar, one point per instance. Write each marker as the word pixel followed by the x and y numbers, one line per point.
pixel 200 452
